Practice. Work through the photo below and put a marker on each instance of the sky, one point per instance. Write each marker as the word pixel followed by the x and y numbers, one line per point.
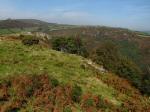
pixel 132 14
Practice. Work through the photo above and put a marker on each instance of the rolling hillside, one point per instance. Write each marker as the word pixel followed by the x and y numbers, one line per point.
pixel 130 43
pixel 62 82
pixel 109 42
pixel 35 78
pixel 13 26
pixel 22 23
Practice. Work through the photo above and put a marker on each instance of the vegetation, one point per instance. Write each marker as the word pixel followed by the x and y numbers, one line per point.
pixel 16 26
pixel 144 33
pixel 36 78
pixel 76 93
pixel 108 55
pixel 129 43
pixel 50 83
pixel 30 41
pixel 134 49
pixel 70 45
pixel 146 83
pixel 9 31
pixel 20 23
pixel 130 49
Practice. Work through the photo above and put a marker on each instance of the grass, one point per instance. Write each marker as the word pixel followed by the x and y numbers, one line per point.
pixel 19 59
pixel 9 31
pixel 60 27
pixel 4 31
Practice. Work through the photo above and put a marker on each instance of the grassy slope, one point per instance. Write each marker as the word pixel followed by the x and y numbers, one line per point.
pixel 19 59
pixel 16 59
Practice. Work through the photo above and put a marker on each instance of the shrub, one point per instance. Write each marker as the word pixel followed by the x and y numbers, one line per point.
pixel 13 110
pixel 89 102
pixel 5 81
pixel 67 109
pixel 21 36
pixel 29 90
pixel 76 93
pixel 54 82
pixel 29 40
pixel 101 103
pixel 145 88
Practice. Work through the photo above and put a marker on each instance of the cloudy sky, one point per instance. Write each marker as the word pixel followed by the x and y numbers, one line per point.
pixel 133 14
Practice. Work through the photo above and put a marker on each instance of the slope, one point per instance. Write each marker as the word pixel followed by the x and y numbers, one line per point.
pixel 20 64
pixel 131 44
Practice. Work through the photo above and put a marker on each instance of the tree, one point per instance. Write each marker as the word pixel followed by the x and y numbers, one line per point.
pixel 70 45
pixel 145 88
pixel 108 55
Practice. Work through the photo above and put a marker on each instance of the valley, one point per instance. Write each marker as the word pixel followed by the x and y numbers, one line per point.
pixel 67 68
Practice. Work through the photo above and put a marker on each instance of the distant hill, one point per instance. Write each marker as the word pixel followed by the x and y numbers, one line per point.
pixel 35 21
pixel 147 32
pixel 22 23
pixel 11 26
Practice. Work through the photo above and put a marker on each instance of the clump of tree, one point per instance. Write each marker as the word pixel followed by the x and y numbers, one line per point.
pixel 70 45
pixel 108 55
